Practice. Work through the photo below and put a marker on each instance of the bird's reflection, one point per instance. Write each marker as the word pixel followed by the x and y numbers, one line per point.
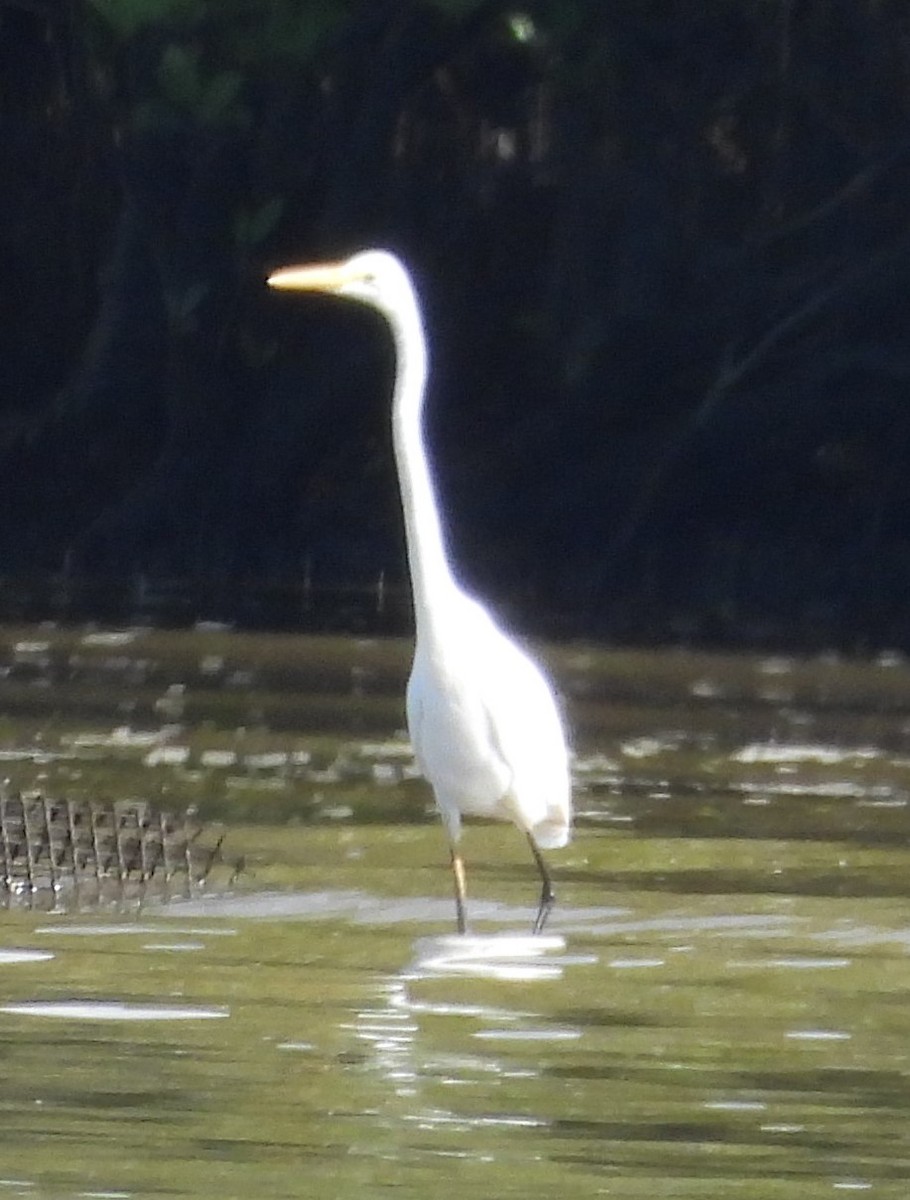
pixel 416 1027
pixel 501 956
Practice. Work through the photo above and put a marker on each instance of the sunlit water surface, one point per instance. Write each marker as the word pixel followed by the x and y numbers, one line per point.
pixel 719 1007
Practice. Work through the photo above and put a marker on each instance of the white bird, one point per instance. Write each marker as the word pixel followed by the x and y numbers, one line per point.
pixel 483 721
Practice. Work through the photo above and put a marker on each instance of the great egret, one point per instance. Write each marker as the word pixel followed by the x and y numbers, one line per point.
pixel 483 721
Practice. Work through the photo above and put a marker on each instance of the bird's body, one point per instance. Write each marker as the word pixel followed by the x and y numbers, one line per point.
pixel 474 712
pixel 483 721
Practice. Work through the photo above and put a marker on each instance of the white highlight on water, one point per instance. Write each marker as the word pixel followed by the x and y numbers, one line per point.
pixel 24 956
pixel 105 1010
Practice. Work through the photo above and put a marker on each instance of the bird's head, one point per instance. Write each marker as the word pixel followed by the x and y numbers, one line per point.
pixel 373 277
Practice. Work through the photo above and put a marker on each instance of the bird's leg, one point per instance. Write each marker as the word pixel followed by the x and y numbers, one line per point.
pixel 458 874
pixel 547 895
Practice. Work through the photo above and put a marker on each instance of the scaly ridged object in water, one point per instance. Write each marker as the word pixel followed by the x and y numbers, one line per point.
pixel 86 854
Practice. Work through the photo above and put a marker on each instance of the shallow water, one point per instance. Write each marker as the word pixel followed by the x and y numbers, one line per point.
pixel 719 1006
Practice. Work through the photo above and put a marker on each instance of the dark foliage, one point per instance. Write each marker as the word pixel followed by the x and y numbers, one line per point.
pixel 664 252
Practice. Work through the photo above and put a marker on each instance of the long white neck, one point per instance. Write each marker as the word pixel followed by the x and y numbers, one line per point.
pixel 432 582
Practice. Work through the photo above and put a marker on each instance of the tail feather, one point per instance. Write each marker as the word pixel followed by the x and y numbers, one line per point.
pixel 551 833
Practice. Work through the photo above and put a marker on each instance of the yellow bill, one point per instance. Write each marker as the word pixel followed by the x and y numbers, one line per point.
pixel 326 277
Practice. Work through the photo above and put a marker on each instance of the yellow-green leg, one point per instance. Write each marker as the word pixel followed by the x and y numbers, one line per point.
pixel 460 891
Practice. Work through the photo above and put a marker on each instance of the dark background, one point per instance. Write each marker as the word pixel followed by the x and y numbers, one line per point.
pixel 664 251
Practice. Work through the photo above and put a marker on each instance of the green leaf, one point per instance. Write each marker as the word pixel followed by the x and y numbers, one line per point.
pixel 293 30
pixel 181 306
pixel 127 17
pixel 178 77
pixel 218 103
pixel 264 219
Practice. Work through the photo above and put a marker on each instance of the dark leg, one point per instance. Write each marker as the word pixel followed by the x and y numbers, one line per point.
pixel 458 873
pixel 547 895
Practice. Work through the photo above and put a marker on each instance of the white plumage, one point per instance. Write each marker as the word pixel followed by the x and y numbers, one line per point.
pixel 485 729
pixel 482 717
